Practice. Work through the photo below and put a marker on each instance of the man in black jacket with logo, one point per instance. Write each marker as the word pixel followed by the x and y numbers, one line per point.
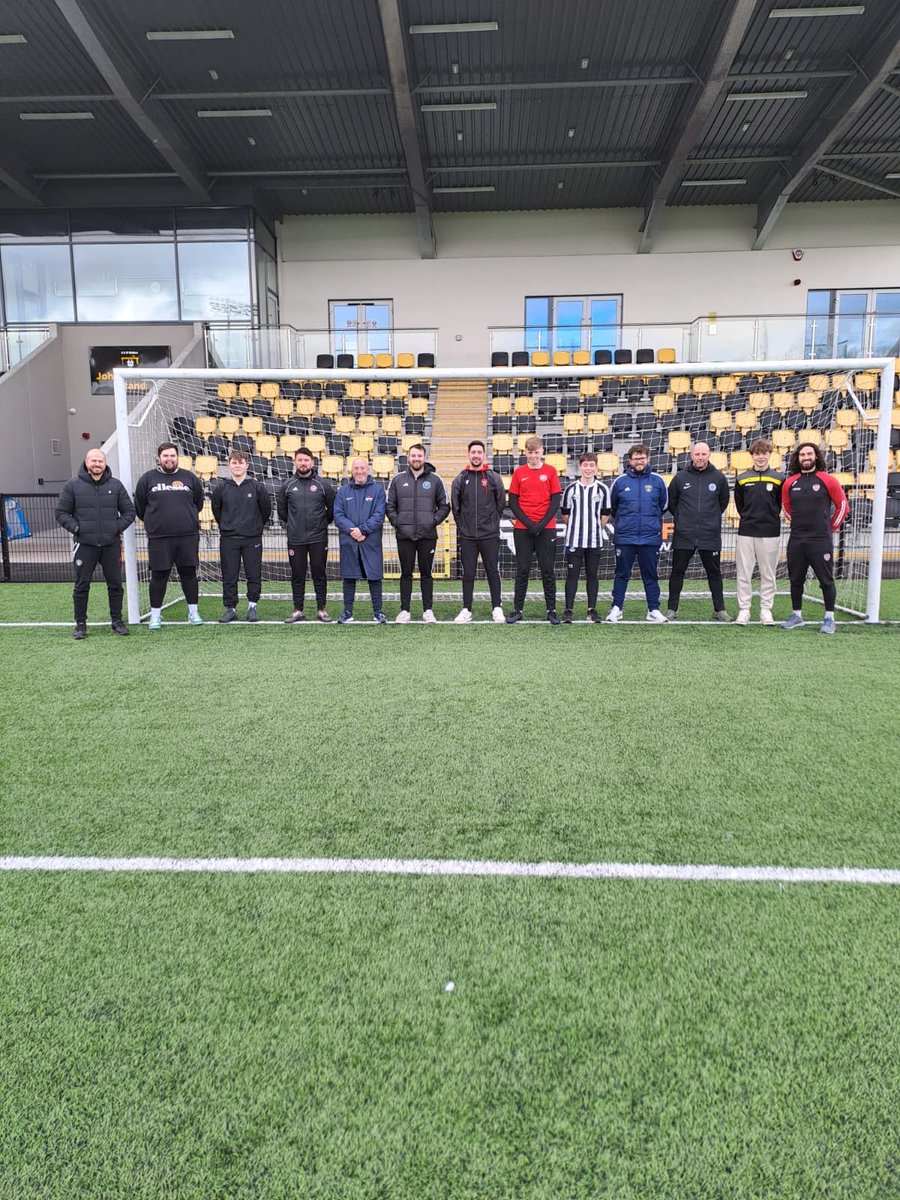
pixel 241 506
pixel 168 500
pixel 698 495
pixel 477 500
pixel 306 506
pixel 416 504
pixel 757 497
pixel 96 509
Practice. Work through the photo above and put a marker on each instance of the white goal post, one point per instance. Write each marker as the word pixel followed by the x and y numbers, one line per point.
pixel 716 401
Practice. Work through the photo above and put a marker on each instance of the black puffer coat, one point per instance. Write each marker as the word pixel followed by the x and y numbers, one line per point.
pixel 94 513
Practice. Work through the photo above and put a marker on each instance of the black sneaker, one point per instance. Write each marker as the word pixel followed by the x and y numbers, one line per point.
pixel 552 617
pixel 567 616
pixel 296 617
pixel 514 617
pixel 80 632
pixel 118 626
pixel 594 616
pixel 380 619
pixel 252 614
pixel 228 615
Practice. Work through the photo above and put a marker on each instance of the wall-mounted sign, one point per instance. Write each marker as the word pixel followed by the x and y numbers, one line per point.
pixel 104 359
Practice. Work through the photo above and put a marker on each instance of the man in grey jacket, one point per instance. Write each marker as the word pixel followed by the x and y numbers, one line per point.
pixel 416 504
pixel 698 495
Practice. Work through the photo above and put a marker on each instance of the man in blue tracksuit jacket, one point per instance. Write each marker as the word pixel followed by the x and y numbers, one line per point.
pixel 359 515
pixel 638 500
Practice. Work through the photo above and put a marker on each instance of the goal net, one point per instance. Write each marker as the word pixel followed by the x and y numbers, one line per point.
pixel 845 407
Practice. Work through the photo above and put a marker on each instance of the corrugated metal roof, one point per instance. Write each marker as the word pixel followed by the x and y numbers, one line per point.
pixel 621 75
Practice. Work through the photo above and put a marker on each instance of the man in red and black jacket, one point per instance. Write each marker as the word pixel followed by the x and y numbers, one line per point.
pixel 815 505
pixel 534 497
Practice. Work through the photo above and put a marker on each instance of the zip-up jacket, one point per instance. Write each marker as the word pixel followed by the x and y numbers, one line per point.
pixel 637 502
pixel 94 513
pixel 477 501
pixel 697 500
pixel 169 503
pixel 360 506
pixel 757 497
pixel 241 509
pixel 415 507
pixel 306 507
pixel 815 504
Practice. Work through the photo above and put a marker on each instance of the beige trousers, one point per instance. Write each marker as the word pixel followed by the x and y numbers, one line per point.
pixel 750 551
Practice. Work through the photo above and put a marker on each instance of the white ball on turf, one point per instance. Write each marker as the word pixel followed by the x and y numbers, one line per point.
pixel 450 987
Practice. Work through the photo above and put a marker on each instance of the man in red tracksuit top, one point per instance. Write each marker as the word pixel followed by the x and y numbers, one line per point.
pixel 534 497
pixel 815 505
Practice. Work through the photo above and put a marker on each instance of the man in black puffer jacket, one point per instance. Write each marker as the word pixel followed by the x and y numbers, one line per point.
pixel 96 509
pixel 416 504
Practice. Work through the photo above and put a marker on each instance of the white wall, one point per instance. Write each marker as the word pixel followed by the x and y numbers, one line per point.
pixel 488 262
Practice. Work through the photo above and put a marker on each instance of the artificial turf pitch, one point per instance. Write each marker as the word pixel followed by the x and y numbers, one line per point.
pixel 217 1036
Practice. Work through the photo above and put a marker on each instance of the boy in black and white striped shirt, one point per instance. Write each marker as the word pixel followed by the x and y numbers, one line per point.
pixel 585 511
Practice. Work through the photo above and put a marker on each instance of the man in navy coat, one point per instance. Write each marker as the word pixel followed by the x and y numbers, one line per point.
pixel 359 515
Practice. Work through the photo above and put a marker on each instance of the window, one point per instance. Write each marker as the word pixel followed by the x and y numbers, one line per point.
pixel 126 281
pixel 215 281
pixel 361 326
pixel 37 283
pixel 572 322
pixel 853 323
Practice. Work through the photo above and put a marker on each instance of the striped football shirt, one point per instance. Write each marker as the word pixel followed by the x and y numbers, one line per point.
pixel 584 504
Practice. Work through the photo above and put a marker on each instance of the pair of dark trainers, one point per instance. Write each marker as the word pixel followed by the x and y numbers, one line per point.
pixel 592 615
pixel 117 625
pixel 515 617
pixel 230 615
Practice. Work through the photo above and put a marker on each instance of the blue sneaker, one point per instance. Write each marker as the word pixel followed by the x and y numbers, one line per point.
pixel 827 625
pixel 380 619
pixel 794 621
pixel 346 618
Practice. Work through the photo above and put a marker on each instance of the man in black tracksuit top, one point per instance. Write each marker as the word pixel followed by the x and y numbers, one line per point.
pixel 306 506
pixel 241 506
pixel 816 506
pixel 168 500
pixel 477 500
pixel 757 498
pixel 416 504
pixel 698 495
pixel 96 509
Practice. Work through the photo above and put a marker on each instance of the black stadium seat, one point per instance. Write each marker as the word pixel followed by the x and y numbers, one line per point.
pixel 325 362
pixel 500 358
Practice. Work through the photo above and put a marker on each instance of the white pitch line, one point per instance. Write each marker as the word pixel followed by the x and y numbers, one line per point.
pixel 693 873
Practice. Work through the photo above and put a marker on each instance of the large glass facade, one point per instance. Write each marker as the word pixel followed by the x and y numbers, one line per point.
pixel 572 322
pixel 853 323
pixel 132 265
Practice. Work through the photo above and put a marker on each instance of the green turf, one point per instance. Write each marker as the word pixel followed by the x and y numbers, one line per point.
pixel 190 1038
pixel 197 1037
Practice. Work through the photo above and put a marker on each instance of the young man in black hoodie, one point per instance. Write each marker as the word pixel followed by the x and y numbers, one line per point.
pixel 96 509
pixel 168 500
pixel 477 499
pixel 241 506
pixel 306 506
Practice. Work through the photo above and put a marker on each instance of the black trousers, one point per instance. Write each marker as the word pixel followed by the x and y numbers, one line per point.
pixel 711 565
pixel 801 555
pixel 542 544
pixel 408 551
pixel 86 559
pixel 233 552
pixel 590 558
pixel 317 555
pixel 489 550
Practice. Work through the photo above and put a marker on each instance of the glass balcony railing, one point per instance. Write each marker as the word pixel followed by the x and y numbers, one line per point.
pixel 18 341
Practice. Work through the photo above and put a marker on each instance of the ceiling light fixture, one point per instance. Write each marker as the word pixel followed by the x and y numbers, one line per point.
pixel 486 106
pixel 831 10
pixel 560 186
pixel 570 132
pixel 449 190
pixel 713 182
pixel 251 141
pixel 893 175
pixel 454 67
pixel 12 39
pixel 459 135
pixel 761 97
pixel 56 116
pixel 213 74
pixel 189 35
pixel 745 127
pixel 585 63
pixel 234 112
pixel 457 27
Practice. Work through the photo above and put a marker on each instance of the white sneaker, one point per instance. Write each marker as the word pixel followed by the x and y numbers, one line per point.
pixel 743 617
pixel 428 617
pixel 402 617
pixel 655 617
pixel 765 617
pixel 498 616
pixel 614 616
pixel 463 617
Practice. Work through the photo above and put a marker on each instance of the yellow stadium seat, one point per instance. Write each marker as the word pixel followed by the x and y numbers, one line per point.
pixel 782 402
pixel 229 426
pixel 524 406
pixel 846 418
pixel 837 440
pixel 726 385
pixel 562 358
pixel 589 387
pixel 540 358
pixel 720 421
pixel 405 362
pixel 608 465
pixel 345 425
pixel 666 355
pixel 783 440
pixel 417 406
pixel 581 358
pixel 409 439
pixel 559 462
pixel 252 425
pixel 741 460
pixel 399 389
pixel 265 445
pixel 289 443
pixel 745 421
pixel 679 441
pixel 328 407
pixel 502 443
pixel 809 435
pixel 680 385
pixel 819 383
pixel 248 390
pixel 205 426
pixel 332 466
pixel 226 391
pixel 759 401
pixel 206 466
pixel 355 390
pixel 598 422
pixel 573 423
pixel 283 407
pixel 185 462
pixel 207 520
pixel 384 362
pixel 703 385
pixel 368 424
pixel 663 403
pixel 316 443
pixel 383 466
pixel 365 361
pixel 501 406
pixel 306 408
pixel 391 425
pixel 269 391
pixel 363 445
pixel 719 459
pixel 378 390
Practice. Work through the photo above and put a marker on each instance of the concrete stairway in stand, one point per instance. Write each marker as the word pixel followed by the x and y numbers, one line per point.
pixel 460 414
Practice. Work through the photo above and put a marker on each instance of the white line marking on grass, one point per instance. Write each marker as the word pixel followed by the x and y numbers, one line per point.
pixel 693 873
